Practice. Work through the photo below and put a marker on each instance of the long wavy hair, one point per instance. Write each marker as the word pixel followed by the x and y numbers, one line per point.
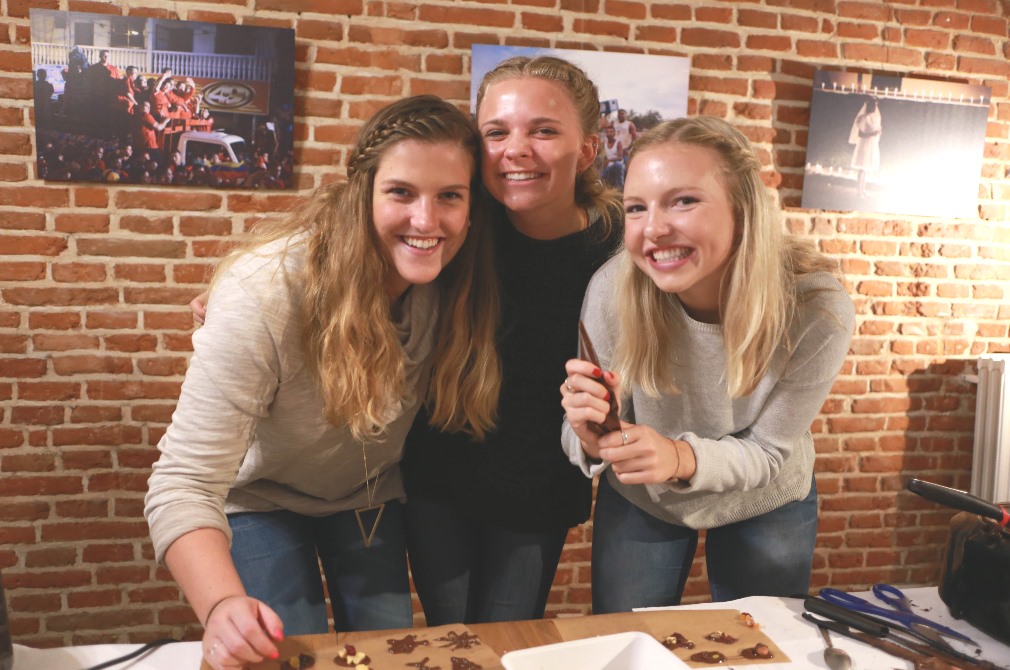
pixel 350 343
pixel 590 191
pixel 758 298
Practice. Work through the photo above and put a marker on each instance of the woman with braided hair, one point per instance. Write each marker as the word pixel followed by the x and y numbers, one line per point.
pixel 323 338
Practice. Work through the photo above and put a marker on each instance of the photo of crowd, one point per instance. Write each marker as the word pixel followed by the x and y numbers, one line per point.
pixel 174 106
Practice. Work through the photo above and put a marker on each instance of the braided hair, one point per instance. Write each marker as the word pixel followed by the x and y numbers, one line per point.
pixel 349 340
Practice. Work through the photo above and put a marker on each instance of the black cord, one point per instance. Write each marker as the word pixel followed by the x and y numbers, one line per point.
pixel 133 654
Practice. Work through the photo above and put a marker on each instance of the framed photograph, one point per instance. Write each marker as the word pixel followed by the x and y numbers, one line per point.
pixel 897 145
pixel 636 93
pixel 137 100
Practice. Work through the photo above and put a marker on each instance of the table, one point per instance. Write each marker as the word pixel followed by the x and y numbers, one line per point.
pixel 779 617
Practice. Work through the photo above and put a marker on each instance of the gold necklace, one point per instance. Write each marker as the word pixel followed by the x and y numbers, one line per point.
pixel 370 492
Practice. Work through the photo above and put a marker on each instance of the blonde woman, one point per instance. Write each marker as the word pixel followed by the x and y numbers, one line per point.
pixel 723 338
pixel 323 337
pixel 487 519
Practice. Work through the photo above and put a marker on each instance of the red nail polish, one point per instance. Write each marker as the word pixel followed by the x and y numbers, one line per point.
pixel 597 372
pixel 607 396
pixel 278 634
pixel 275 655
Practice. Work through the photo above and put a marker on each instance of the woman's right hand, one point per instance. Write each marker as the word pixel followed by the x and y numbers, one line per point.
pixel 199 307
pixel 586 400
pixel 241 631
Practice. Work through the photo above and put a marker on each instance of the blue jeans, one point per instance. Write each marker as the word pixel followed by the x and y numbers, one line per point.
pixel 640 561
pixel 467 571
pixel 277 555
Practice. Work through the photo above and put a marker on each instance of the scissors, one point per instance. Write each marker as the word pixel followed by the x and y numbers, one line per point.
pixel 900 609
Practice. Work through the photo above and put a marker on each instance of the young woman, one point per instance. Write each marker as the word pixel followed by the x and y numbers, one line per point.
pixel 317 351
pixel 865 134
pixel 724 338
pixel 487 519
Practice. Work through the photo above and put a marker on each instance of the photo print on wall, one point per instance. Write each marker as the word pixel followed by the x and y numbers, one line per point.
pixel 137 100
pixel 636 93
pixel 895 145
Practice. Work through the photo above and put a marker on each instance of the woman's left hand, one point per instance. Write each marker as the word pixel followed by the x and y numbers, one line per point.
pixel 640 455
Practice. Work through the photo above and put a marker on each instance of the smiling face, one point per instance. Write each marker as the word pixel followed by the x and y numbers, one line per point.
pixel 420 207
pixel 533 148
pixel 679 225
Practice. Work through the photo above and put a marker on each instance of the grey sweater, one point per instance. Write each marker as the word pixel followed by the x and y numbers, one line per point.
pixel 248 433
pixel 754 453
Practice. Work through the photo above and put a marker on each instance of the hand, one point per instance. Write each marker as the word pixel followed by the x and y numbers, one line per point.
pixel 199 307
pixel 640 455
pixel 240 631
pixel 586 400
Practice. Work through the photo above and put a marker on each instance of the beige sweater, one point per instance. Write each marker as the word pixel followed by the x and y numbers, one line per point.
pixel 248 432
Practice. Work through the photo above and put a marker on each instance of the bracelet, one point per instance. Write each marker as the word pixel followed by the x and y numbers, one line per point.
pixel 213 607
pixel 673 479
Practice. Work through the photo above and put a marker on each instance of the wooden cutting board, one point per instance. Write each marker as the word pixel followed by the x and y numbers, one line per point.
pixel 693 625
pixel 454 647
pixel 500 638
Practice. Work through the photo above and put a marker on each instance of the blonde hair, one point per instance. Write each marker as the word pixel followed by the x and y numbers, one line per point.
pixel 350 343
pixel 590 191
pixel 758 297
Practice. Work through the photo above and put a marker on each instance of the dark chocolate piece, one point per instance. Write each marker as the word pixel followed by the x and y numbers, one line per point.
pixel 456 640
pixel 712 657
pixel 405 645
pixel 677 641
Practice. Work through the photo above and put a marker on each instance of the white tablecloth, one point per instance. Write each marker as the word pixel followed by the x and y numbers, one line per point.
pixel 779 618
pixel 175 656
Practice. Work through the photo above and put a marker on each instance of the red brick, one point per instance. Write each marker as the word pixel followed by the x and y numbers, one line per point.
pixel 90 599
pixel 34 196
pixel 81 459
pixel 60 296
pixel 82 223
pixel 95 414
pixel 34 245
pixel 147 225
pixel 23 221
pixel 192 226
pixel 85 364
pixel 604 28
pixel 166 200
pixel 140 273
pixel 115 320
pixel 78 272
pixel 96 435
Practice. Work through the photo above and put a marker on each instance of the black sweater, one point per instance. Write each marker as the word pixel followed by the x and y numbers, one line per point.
pixel 519 477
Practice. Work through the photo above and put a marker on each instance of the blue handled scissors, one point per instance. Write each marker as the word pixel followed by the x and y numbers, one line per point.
pixel 900 608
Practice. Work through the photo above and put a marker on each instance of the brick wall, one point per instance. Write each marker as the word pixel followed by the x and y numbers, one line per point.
pixel 94 329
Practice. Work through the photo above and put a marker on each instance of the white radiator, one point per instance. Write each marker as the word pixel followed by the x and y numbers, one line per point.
pixel 990 465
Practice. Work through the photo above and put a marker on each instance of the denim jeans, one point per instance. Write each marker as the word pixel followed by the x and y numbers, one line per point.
pixel 468 571
pixel 277 555
pixel 640 561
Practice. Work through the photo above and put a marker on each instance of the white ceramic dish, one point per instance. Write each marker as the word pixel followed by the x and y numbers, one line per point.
pixel 622 651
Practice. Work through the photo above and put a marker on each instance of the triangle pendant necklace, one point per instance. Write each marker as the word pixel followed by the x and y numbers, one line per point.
pixel 370 492
pixel 375 524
